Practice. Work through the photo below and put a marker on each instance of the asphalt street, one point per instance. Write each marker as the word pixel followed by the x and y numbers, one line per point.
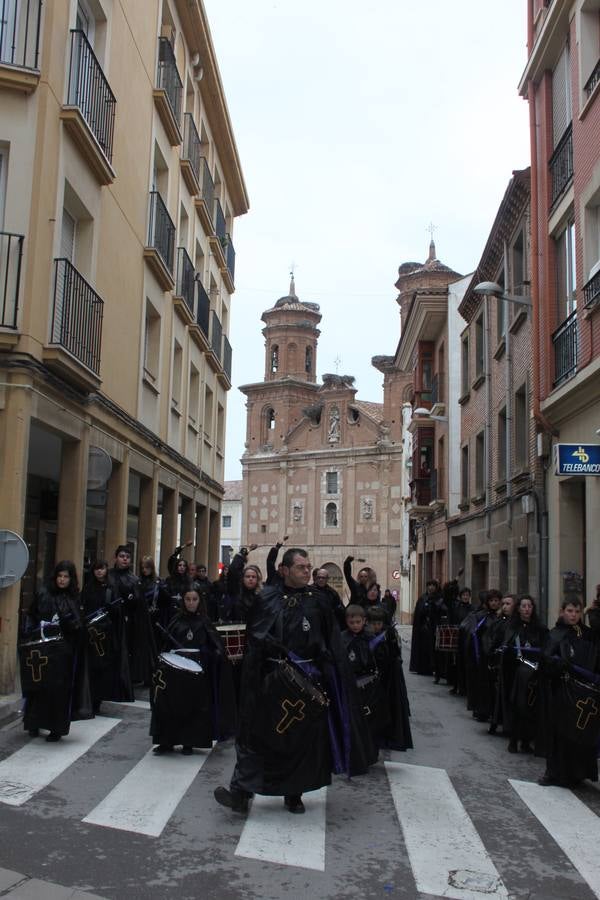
pixel 456 817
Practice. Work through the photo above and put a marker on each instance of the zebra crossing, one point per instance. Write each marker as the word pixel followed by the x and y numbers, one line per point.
pixel 423 800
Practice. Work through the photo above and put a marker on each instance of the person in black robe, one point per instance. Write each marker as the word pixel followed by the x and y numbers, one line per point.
pixel 388 601
pixel 244 582
pixel 274 570
pixel 321 583
pixel 357 642
pixel 395 732
pixel 443 616
pixel 523 638
pixel 358 586
pixel 178 582
pixel 155 595
pixel 459 616
pixel 139 634
pixel 592 614
pixel 55 674
pixel 285 746
pixel 496 640
pixel 571 650
pixel 479 688
pixel 425 619
pixel 204 710
pixel 110 678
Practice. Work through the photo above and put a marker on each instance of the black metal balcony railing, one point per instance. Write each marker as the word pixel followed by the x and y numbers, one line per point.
pixel 11 254
pixel 219 222
pixel 230 256
pixel 227 357
pixel 216 334
pixel 565 340
pixel 20 33
pixel 90 91
pixel 591 291
pixel 207 187
pixel 161 231
pixel 420 491
pixel 185 278
pixel 202 309
pixel 433 485
pixel 168 78
pixel 77 315
pixel 592 80
pixel 561 165
pixel 192 146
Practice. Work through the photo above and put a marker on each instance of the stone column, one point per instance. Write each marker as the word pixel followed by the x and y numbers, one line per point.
pixel 147 520
pixel 188 523
pixel 70 536
pixel 202 534
pixel 14 450
pixel 214 544
pixel 116 506
pixel 168 532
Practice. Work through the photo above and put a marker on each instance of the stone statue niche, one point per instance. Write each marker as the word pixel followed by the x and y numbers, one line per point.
pixel 333 430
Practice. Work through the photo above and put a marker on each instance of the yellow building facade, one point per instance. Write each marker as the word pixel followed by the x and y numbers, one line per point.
pixel 119 183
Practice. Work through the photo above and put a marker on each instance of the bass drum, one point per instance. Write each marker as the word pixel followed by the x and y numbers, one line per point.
pixel 100 639
pixel 180 698
pixel 46 662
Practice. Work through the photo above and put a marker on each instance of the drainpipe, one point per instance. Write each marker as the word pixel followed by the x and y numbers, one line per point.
pixel 488 413
pixel 509 402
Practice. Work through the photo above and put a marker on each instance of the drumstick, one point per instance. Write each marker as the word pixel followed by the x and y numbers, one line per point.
pixel 170 636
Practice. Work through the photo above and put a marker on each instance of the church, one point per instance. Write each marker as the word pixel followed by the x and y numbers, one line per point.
pixel 320 465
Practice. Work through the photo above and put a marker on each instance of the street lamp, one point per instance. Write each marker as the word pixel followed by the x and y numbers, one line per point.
pixel 422 411
pixel 491 287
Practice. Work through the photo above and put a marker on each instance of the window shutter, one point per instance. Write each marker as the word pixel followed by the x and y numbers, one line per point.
pixel 561 95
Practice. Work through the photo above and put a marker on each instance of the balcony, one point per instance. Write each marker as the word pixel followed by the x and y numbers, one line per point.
pixel 20 45
pixel 200 329
pixel 11 255
pixel 565 340
pixel 160 250
pixel 226 377
pixel 183 297
pixel 191 155
pixel 592 81
pixel 228 271
pixel 420 497
pixel 76 332
pixel 206 201
pixel 591 292
pixel 561 166
pixel 168 92
pixel 219 238
pixel 89 114
pixel 215 340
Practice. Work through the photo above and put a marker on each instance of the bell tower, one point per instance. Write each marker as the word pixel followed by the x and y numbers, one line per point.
pixel 291 336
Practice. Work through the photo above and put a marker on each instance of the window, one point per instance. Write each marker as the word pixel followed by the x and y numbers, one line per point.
pixel 331 482
pixel 480 464
pixel 331 515
pixel 591 237
pixel 424 372
pixel 270 418
pixel 501 445
pixel 226 522
pixel 439 378
pixel 561 96
pixel 220 427
pixel 176 381
pixel 208 413
pixel 308 360
pixel 464 474
pixel 194 401
pixel 274 358
pixel 521 428
pixel 589 48
pixel 464 380
pixel 501 313
pixel 479 347
pixel 518 265
pixel 151 343
pixel 522 570
pixel 565 273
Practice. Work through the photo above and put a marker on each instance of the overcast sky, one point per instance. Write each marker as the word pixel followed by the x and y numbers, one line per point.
pixel 357 126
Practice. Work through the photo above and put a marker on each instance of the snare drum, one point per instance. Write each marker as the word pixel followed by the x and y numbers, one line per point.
pixel 446 638
pixel 180 698
pixel 173 660
pixel 234 638
pixel 46 662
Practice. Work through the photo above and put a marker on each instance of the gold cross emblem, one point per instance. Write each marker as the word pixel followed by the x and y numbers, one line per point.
pixel 97 639
pixel 587 710
pixel 159 683
pixel 36 663
pixel 292 712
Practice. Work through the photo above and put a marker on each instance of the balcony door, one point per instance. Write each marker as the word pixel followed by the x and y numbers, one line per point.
pixel 566 296
pixel 9 30
pixel 84 21
pixel 68 231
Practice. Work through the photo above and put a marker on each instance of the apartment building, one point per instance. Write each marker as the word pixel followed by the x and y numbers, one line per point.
pixel 119 184
pixel 495 537
pixel 561 82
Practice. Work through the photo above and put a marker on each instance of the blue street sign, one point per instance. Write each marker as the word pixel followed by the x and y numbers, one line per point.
pixel 577 459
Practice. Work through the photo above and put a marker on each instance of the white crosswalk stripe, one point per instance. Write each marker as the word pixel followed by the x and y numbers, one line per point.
pixel 574 827
pixel 36 765
pixel 285 839
pixel 460 867
pixel 146 798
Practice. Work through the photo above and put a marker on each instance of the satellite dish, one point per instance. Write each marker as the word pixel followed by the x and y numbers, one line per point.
pixel 99 468
pixel 14 558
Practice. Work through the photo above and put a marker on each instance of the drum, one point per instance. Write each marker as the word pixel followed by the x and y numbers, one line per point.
pixel 180 698
pixel 46 661
pixel 578 710
pixel 446 638
pixel 292 707
pixel 234 638
pixel 99 631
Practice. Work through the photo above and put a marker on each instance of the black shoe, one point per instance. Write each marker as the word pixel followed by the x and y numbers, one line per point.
pixel 547 779
pixel 493 728
pixel 436 680
pixel 186 751
pixel 233 800
pixel 34 732
pixel 52 737
pixel 162 748
pixel 452 691
pixel 512 747
pixel 526 747
pixel 294 804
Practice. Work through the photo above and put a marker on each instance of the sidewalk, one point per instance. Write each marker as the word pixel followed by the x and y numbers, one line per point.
pixel 10 705
pixel 22 887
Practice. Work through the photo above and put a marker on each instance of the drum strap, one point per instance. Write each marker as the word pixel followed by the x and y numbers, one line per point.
pixel 376 641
